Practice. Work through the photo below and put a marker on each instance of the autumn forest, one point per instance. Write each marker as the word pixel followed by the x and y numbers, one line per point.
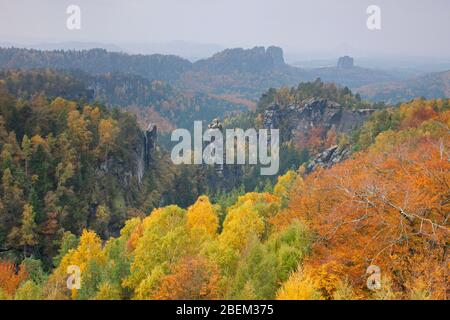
pixel 93 206
pixel 307 235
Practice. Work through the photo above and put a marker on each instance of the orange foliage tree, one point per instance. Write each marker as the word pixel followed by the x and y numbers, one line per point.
pixel 191 278
pixel 10 277
pixel 387 206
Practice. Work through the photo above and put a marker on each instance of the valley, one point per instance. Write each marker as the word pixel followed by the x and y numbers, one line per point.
pixel 87 178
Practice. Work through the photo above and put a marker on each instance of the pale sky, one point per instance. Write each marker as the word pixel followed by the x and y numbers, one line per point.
pixel 409 27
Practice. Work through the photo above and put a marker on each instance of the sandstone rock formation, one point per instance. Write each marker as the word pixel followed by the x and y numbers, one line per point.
pixel 345 62
pixel 276 53
pixel 302 117
pixel 328 158
pixel 298 120
pixel 150 139
pixel 132 167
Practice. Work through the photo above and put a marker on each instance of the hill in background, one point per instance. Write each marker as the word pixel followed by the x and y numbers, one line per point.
pixel 432 85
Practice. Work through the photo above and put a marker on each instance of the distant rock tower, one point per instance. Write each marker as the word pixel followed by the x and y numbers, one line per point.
pixel 276 54
pixel 150 138
pixel 216 124
pixel 345 62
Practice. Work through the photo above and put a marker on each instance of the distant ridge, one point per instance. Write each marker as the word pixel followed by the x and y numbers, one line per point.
pixel 432 85
pixel 70 45
pixel 257 59
pixel 96 61
pixel 242 73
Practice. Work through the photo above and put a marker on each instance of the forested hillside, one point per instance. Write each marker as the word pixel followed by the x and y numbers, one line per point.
pixel 68 165
pixel 84 183
pixel 151 101
pixel 95 61
pixel 234 156
pixel 238 73
pixel 312 237
pixel 387 206
pixel 234 74
pixel 433 85
pixel 64 164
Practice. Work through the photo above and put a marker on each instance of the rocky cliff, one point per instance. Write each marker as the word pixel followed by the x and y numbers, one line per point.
pixel 328 158
pixel 310 113
pixel 150 140
pixel 131 166
pixel 299 121
pixel 345 62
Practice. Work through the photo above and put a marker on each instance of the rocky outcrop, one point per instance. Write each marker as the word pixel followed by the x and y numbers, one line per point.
pixel 276 53
pixel 345 62
pixel 272 117
pixel 328 158
pixel 215 124
pixel 297 119
pixel 144 151
pixel 131 165
pixel 150 140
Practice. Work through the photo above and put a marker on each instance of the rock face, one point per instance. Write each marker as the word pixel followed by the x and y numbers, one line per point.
pixel 150 140
pixel 132 166
pixel 217 125
pixel 300 118
pixel 345 62
pixel 144 147
pixel 328 158
pixel 276 53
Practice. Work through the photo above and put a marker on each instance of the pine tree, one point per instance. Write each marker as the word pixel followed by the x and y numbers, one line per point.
pixel 26 149
pixel 28 236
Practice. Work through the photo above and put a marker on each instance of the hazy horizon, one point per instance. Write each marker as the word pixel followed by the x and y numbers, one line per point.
pixel 312 30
